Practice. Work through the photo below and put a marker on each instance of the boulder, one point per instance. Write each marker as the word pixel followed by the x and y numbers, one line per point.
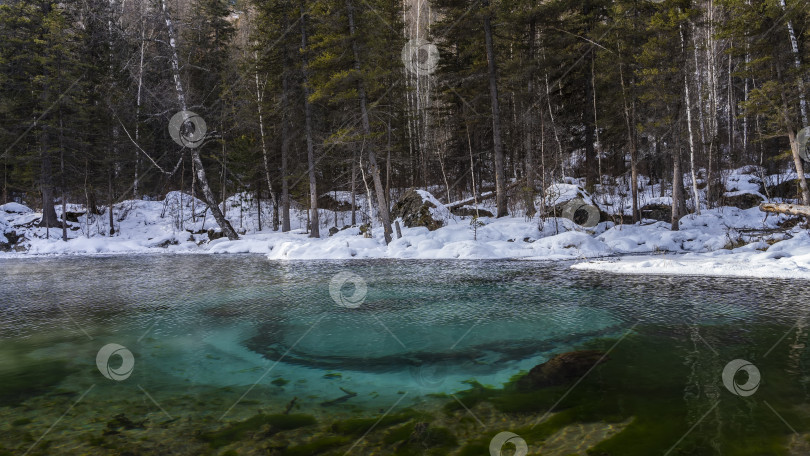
pixel 743 200
pixel 214 234
pixel 787 189
pixel 73 216
pixel 580 211
pixel 333 231
pixel 15 208
pixel 561 369
pixel 329 203
pixel 415 211
pixel 466 211
pixel 166 243
pixel 9 241
pixel 573 202
pixel 657 211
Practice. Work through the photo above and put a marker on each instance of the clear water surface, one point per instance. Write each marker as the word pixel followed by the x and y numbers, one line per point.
pixel 216 340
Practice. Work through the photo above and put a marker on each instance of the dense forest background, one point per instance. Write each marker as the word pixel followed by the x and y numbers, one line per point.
pixel 302 98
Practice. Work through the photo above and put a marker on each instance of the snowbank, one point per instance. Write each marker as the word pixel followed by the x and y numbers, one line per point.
pixel 788 259
pixel 723 241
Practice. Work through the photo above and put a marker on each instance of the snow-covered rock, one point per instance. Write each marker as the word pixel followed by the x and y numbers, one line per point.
pixel 15 208
pixel 420 208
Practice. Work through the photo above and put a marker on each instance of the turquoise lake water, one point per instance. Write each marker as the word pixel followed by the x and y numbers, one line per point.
pixel 215 340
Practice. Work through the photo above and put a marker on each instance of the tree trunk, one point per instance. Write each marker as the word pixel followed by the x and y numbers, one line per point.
pixel 529 127
pixel 110 201
pixel 385 215
pixel 259 101
pixel 500 183
pixel 591 167
pixel 285 137
pixel 46 184
pixel 797 162
pixel 136 183
pixel 794 46
pixel 629 121
pixel 695 194
pixel 223 223
pixel 313 188
pixel 354 190
pixel 259 205
pixel 677 188
pixel 794 147
pixel 62 183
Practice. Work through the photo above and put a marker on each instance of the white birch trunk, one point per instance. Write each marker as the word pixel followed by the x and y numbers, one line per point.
pixel 794 46
pixel 695 194
pixel 224 225
pixel 138 109
pixel 259 101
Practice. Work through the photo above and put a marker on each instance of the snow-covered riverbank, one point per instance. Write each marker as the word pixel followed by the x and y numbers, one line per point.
pixel 724 241
pixel 789 259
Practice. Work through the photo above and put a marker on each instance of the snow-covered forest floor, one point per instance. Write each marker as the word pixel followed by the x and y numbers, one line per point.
pixel 723 241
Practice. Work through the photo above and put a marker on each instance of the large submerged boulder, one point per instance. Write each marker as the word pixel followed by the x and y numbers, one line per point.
pixel 561 369
pixel 418 208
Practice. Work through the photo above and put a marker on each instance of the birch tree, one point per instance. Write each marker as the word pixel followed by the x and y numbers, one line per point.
pixel 314 221
pixel 197 164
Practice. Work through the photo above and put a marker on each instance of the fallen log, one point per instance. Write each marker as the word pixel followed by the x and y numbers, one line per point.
pixel 481 197
pixel 783 208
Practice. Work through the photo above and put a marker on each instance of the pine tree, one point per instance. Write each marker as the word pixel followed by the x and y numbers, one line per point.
pixel 771 61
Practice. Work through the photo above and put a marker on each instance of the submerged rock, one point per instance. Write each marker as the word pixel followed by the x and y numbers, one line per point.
pixel 561 369
pixel 122 422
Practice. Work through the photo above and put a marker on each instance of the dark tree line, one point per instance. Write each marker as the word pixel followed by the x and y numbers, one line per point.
pixel 306 97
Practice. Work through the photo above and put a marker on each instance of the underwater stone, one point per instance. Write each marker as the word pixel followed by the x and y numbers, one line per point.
pixel 561 369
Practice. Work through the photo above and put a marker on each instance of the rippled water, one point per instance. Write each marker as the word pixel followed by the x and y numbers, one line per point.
pixel 217 338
